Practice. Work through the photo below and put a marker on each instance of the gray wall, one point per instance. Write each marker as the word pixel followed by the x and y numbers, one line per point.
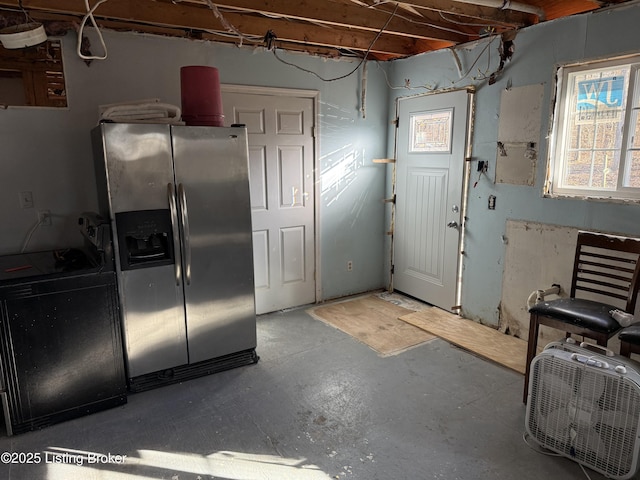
pixel 537 50
pixel 48 152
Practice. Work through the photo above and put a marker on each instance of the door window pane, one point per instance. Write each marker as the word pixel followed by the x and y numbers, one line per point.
pixel 431 131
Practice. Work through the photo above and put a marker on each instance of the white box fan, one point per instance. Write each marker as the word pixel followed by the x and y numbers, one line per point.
pixel 586 407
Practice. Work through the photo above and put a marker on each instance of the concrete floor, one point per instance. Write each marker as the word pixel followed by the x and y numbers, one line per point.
pixel 319 405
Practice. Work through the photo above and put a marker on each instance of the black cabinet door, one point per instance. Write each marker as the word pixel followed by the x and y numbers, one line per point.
pixel 61 349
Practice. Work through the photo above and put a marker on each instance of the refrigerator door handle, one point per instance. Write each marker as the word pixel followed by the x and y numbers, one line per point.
pixel 176 234
pixel 185 229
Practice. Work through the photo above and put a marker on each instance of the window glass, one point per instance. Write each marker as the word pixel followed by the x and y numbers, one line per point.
pixel 431 131
pixel 596 151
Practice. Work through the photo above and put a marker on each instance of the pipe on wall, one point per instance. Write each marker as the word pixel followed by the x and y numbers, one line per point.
pixel 538 295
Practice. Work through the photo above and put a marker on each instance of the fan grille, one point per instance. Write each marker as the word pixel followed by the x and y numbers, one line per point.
pixel 587 414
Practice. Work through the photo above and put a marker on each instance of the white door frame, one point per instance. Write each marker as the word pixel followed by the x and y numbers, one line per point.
pixel 315 96
pixel 465 184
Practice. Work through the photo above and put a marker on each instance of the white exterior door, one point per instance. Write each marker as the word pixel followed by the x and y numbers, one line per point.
pixel 431 148
pixel 281 161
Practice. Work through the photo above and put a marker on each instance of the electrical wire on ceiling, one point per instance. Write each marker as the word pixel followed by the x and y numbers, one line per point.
pixel 371 7
pixel 89 16
pixel 362 60
pixel 475 24
pixel 407 82
pixel 232 31
pixel 250 38
pixel 481 75
pixel 437 26
pixel 229 27
pixel 418 22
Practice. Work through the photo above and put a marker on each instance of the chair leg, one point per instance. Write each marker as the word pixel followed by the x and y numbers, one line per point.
pixel 625 349
pixel 532 347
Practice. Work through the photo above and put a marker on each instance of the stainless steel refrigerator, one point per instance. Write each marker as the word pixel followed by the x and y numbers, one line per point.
pixel 178 200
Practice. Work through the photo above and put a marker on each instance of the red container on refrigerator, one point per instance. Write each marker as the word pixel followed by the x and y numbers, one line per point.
pixel 201 96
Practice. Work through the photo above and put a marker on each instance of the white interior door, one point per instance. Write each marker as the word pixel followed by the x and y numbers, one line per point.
pixel 431 146
pixel 281 153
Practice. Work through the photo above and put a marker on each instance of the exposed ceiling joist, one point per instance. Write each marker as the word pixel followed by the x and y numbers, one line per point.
pixel 342 15
pixel 380 28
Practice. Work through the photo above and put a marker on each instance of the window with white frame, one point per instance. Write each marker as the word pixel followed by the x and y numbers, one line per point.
pixel 595 148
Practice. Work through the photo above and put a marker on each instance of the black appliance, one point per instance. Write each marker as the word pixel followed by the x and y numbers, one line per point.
pixel 61 352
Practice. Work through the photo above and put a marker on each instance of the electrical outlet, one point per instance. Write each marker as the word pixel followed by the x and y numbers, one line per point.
pixel 26 199
pixel 349 266
pixel 44 218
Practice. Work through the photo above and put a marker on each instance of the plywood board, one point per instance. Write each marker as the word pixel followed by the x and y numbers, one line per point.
pixel 516 164
pixel 479 339
pixel 521 114
pixel 536 257
pixel 374 322
pixel 519 134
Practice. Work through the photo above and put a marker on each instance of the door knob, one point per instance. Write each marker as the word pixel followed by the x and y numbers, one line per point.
pixel 452 224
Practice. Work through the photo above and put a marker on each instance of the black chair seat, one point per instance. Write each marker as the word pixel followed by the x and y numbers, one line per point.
pixel 580 312
pixel 630 334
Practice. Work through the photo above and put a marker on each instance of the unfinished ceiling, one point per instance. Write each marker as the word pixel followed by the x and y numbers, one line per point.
pixel 377 29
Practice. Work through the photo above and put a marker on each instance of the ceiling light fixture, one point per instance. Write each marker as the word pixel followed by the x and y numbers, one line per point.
pixel 23 35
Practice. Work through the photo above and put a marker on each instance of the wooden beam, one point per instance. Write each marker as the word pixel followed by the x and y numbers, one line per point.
pixel 323 36
pixel 118 25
